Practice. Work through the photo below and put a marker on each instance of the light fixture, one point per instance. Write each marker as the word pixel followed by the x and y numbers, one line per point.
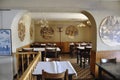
pixel 44 23
pixel 81 25
pixel 84 24
pixel 89 23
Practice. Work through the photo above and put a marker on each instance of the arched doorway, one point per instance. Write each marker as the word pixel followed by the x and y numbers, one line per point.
pixel 93 39
pixel 93 26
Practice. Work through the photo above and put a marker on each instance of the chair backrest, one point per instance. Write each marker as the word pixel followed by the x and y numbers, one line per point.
pixel 51 44
pixel 105 60
pixel 55 76
pixel 50 52
pixel 52 59
pixel 88 49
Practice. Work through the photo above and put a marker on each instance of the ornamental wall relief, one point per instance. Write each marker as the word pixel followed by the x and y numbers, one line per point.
pixel 71 31
pixel 31 31
pixel 110 30
pixel 21 30
pixel 47 32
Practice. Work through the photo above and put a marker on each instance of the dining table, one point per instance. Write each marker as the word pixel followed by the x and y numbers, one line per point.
pixel 54 67
pixel 42 50
pixel 39 49
pixel 112 69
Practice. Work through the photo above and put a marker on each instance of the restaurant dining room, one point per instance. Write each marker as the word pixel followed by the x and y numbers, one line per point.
pixel 53 40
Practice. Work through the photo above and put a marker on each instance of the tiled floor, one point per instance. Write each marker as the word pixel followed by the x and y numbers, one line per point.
pixel 82 73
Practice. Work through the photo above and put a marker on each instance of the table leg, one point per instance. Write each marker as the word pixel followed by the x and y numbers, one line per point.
pixel 42 55
pixel 39 77
pixel 80 61
pixel 77 58
pixel 100 74
pixel 70 77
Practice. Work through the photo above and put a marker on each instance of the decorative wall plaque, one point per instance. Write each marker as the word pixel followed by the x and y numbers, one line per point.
pixel 31 31
pixel 21 31
pixel 71 31
pixel 47 32
pixel 110 30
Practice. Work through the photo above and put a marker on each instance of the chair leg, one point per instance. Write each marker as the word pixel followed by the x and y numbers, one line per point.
pixel 78 57
pixel 84 63
pixel 80 61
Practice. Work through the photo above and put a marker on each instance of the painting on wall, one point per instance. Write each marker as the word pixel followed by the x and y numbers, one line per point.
pixel 71 31
pixel 110 30
pixel 21 31
pixel 5 42
pixel 31 31
pixel 47 32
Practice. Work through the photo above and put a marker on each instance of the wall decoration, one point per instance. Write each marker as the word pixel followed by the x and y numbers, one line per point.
pixel 21 31
pixel 110 30
pixel 71 31
pixel 47 32
pixel 31 31
pixel 5 42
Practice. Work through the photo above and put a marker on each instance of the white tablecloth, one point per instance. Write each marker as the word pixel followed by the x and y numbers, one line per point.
pixel 54 67
pixel 43 49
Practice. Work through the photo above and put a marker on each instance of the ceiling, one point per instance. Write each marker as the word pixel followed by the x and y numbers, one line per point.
pixel 59 5
pixel 55 16
pixel 60 8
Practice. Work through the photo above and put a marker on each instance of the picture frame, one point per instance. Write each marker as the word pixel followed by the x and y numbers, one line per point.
pixel 5 42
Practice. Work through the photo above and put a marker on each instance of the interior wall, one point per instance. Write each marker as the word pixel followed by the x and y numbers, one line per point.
pixel 84 33
pixel 93 31
pixel 101 46
pixel 9 20
pixel 16 42
pixel 6 62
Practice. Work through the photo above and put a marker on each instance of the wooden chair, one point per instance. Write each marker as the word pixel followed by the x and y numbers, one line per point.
pixel 52 59
pixel 80 51
pixel 55 76
pixel 72 48
pixel 51 52
pixel 86 55
pixel 104 61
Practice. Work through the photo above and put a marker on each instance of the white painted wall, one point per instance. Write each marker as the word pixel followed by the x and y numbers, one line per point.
pixel 0 19
pixel 6 68
pixel 99 15
pixel 9 21
pixel 16 43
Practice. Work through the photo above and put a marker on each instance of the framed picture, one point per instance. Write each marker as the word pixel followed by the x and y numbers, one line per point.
pixel 5 42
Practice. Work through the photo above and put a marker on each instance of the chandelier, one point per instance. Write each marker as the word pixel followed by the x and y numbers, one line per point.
pixel 84 24
pixel 81 25
pixel 44 23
